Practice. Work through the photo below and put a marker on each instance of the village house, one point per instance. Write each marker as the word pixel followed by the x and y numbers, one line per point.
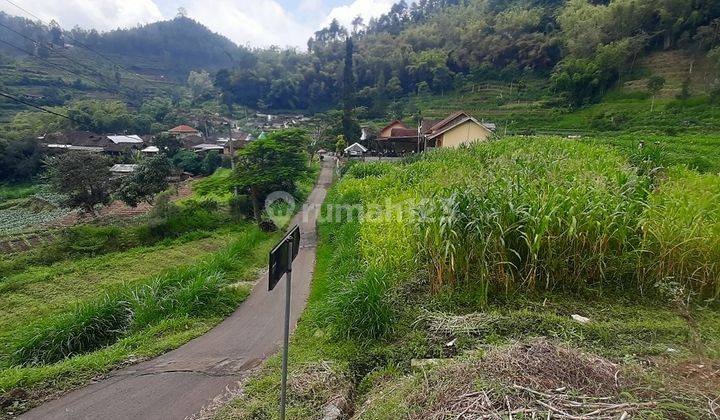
pixel 90 142
pixel 183 131
pixel 459 128
pixel 355 150
pixel 123 169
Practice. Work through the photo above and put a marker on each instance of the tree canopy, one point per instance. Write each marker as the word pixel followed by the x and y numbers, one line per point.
pixel 272 163
pixel 436 45
pixel 83 178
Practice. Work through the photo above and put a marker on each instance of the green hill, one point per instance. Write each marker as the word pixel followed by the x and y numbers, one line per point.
pixel 48 66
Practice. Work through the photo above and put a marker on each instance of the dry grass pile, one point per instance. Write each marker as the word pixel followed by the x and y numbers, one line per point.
pixel 536 379
pixel 325 387
pixel 448 324
pixel 543 365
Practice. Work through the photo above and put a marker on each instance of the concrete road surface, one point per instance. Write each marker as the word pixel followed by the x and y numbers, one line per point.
pixel 180 383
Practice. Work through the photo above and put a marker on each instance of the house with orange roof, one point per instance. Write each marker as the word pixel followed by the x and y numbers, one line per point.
pixel 182 131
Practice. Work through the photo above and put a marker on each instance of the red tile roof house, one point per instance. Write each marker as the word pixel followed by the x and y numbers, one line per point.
pixel 182 131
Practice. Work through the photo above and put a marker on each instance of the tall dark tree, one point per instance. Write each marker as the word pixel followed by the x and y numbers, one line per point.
pixel 149 179
pixel 351 129
pixel 83 178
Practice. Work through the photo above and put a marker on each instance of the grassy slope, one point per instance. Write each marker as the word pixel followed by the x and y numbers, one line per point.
pixel 41 291
pixel 685 129
pixel 16 191
pixel 653 341
pixel 53 291
pixel 41 296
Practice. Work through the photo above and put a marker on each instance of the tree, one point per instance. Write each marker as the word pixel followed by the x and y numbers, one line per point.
pixel 168 144
pixel 149 179
pixel 357 23
pixel 200 83
pixel 273 163
pixel 340 144
pixel 654 86
pixel 20 160
pixel 188 161
pixel 83 178
pixel 351 129
pixel 211 162
pixel 578 80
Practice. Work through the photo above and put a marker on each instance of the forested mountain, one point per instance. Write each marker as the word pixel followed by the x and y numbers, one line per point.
pixel 177 46
pixel 582 46
pixel 168 48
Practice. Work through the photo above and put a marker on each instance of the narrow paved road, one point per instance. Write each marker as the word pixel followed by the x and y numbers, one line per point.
pixel 180 383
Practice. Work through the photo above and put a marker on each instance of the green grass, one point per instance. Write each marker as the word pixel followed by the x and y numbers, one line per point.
pixel 16 191
pixel 65 323
pixel 374 306
pixel 111 295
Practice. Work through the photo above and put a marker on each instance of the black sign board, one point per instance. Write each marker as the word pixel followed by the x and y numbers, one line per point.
pixel 279 256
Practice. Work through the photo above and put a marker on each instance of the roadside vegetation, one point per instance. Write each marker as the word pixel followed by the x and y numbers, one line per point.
pixel 95 297
pixel 526 276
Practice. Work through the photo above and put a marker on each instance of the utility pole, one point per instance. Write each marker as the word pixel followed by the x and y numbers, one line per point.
pixel 230 145
pixel 232 154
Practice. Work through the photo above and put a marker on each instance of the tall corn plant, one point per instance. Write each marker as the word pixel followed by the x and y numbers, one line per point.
pixel 681 233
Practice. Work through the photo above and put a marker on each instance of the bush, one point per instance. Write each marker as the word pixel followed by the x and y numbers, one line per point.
pixel 211 162
pixel 86 328
pixel 164 207
pixel 188 161
pixel 241 207
pixel 91 240
pixel 360 307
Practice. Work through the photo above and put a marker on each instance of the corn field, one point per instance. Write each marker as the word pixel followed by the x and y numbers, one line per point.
pixel 542 214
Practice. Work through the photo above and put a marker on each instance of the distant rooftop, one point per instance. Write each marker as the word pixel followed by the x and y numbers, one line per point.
pixel 123 168
pixel 125 139
pixel 183 129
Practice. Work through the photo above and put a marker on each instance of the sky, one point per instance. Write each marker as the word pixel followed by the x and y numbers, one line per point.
pixel 256 23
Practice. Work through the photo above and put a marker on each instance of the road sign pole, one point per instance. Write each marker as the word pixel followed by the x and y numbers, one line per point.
pixel 288 275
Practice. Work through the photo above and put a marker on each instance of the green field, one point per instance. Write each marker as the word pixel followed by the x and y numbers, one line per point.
pixel 473 303
pixel 176 291
pixel 94 297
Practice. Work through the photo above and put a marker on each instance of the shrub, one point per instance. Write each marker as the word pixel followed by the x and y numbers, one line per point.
pixel 241 207
pixel 88 239
pixel 86 328
pixel 164 207
pixel 360 307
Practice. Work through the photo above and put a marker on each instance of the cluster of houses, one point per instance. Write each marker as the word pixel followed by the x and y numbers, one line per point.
pixel 397 139
pixel 117 145
pixel 271 122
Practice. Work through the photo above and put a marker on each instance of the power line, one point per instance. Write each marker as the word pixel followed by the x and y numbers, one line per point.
pixel 24 10
pixel 49 111
pixel 94 51
pixel 76 62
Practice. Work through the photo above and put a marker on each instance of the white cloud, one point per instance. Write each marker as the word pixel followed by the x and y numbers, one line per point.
pixel 101 15
pixel 258 23
pixel 255 22
pixel 310 6
pixel 365 8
